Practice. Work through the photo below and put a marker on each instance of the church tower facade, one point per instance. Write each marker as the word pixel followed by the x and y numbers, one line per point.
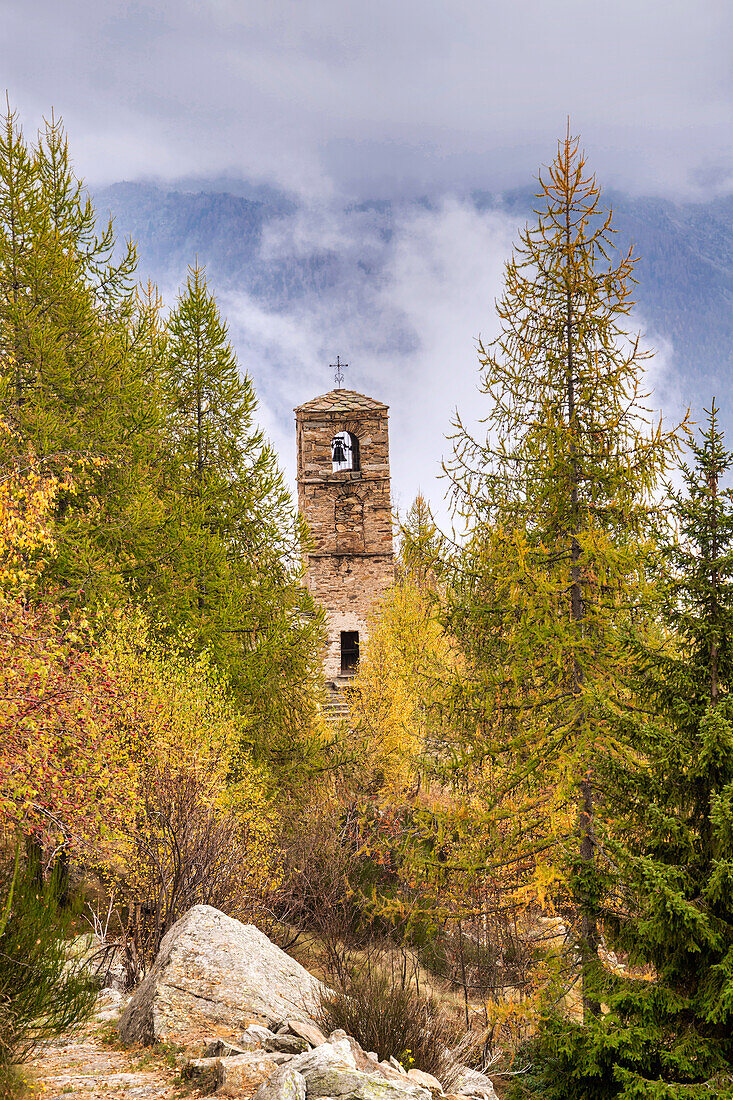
pixel 344 494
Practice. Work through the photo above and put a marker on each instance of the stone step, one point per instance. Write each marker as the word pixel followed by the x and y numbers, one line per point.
pixel 336 708
pixel 336 711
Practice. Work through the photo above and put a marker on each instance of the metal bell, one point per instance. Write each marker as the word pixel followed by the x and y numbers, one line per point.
pixel 337 449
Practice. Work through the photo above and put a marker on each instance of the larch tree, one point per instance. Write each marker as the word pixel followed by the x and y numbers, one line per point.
pixel 395 719
pixel 63 301
pixel 74 383
pixel 420 550
pixel 668 1029
pixel 557 493
pixel 235 564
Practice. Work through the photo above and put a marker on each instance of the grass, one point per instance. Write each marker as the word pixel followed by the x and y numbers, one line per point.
pixel 392 1020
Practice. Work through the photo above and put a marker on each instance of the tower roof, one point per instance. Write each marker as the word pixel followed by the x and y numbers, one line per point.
pixel 342 401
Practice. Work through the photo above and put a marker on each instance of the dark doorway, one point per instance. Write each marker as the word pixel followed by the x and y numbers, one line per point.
pixel 349 650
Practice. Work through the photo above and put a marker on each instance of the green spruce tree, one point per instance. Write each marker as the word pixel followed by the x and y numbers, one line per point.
pixel 235 564
pixel 668 1032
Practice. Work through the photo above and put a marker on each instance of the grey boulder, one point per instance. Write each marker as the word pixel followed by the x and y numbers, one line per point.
pixel 476 1085
pixel 286 1044
pixel 330 1071
pixel 280 1042
pixel 213 970
pixel 420 1077
pixel 219 1048
pixel 336 1052
pixel 241 1072
pixel 285 1084
pixel 307 1030
pixel 245 1073
pixel 254 1036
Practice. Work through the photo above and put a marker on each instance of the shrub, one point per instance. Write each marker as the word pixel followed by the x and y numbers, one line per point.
pixel 392 1019
pixel 187 850
pixel 41 992
pixel 204 827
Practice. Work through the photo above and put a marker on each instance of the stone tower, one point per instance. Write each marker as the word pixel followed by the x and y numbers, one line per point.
pixel 344 494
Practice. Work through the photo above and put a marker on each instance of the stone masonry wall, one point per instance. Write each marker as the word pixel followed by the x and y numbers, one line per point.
pixel 348 513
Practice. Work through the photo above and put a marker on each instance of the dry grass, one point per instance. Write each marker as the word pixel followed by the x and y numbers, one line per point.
pixel 392 1020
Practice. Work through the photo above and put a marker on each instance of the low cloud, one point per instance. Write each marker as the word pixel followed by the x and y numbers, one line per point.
pixel 374 98
pixel 408 335
pixel 408 332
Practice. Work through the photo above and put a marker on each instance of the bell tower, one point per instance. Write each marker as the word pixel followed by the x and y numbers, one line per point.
pixel 344 495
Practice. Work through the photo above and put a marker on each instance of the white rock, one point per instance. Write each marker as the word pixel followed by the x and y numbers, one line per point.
pixel 285 1084
pixel 336 1081
pixel 219 1048
pixel 420 1077
pixel 245 1073
pixel 307 1030
pixel 254 1036
pixel 212 969
pixel 475 1084
pixel 388 1071
pixel 337 1053
pixel 331 1071
pixel 281 1042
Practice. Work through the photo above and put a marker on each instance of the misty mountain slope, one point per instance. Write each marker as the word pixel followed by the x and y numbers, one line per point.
pixel 685 277
pixel 402 289
pixel 685 270
pixel 225 232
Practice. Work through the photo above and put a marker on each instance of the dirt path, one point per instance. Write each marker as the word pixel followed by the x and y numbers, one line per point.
pixel 89 1065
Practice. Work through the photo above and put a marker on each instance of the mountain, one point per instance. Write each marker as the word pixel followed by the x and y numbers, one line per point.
pixel 685 268
pixel 401 289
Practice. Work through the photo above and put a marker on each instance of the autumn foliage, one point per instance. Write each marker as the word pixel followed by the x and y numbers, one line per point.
pixel 70 740
pixel 537 764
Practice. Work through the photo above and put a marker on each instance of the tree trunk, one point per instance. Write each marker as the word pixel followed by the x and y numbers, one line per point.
pixel 588 930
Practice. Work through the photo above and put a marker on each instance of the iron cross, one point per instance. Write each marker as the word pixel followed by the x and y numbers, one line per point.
pixel 338 374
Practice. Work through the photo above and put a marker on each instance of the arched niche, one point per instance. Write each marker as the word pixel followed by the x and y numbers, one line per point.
pixel 345 452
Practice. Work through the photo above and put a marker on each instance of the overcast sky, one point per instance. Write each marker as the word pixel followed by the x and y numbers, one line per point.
pixel 380 96
pixel 337 99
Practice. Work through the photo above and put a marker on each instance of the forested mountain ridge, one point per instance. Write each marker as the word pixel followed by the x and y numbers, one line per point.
pixel 685 252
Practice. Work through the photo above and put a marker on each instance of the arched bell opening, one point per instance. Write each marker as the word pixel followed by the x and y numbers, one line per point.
pixel 345 452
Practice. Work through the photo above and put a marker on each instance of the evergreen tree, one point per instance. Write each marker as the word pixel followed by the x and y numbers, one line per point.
pixel 419 557
pixel 557 496
pixel 74 384
pixel 234 570
pixel 61 296
pixel 669 1029
pixel 177 499
pixel 228 471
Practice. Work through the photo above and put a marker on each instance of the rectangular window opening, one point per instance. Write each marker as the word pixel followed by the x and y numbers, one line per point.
pixel 349 650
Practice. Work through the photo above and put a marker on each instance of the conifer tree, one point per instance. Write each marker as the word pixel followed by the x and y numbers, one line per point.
pixel 668 1032
pixel 73 383
pixel 235 564
pixel 61 295
pixel 557 494
pixel 419 558
pixel 234 497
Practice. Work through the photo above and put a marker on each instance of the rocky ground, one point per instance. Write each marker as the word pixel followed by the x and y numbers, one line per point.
pixel 225 1011
pixel 92 1063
